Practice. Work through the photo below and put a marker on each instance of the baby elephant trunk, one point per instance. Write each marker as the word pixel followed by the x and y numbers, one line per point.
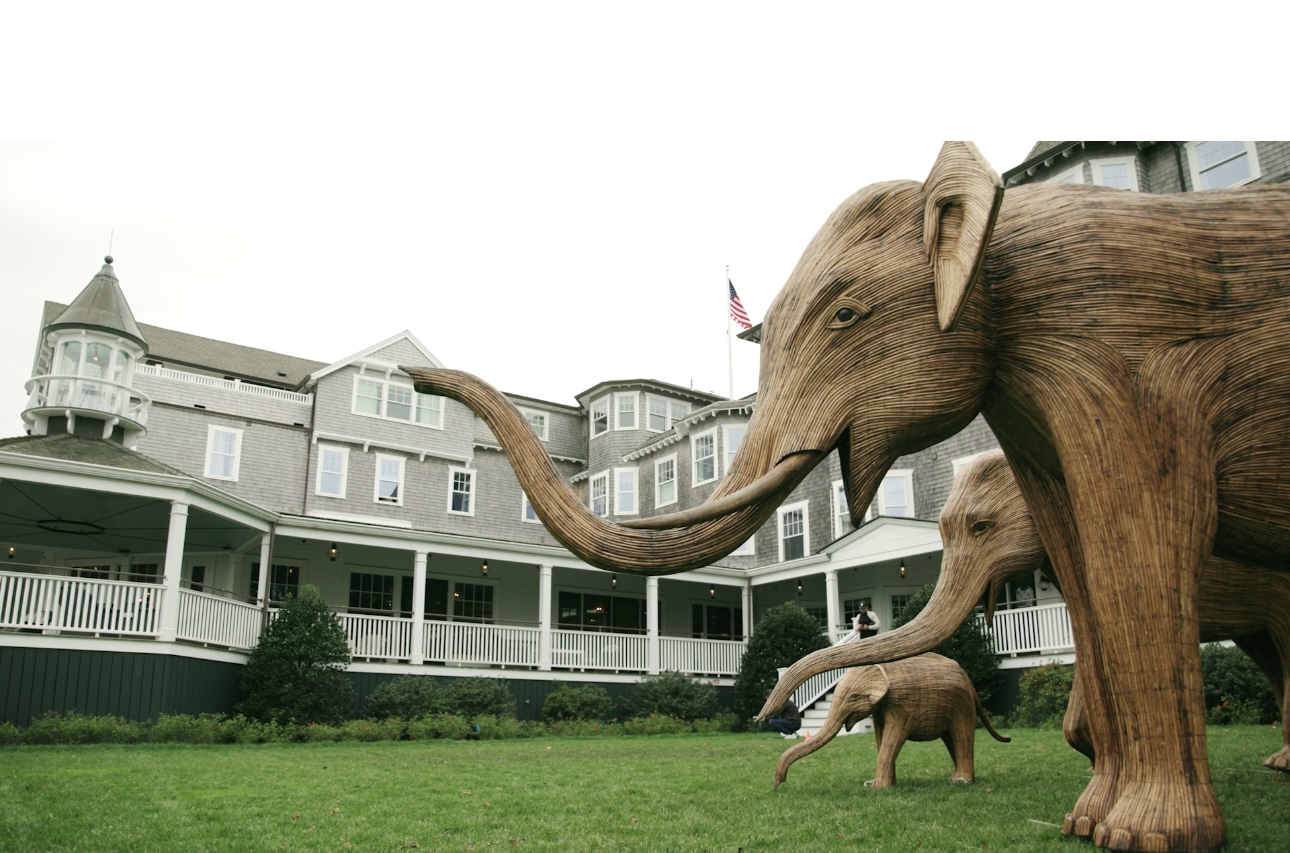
pixel 806 747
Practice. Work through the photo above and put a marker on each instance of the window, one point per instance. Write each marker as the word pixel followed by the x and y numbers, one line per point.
pixel 537 420
pixel 665 481
pixel 896 495
pixel 371 592
pixel 599 612
pixel 898 603
pixel 716 622
pixel 851 607
pixel 625 491
pixel 703 451
pixel 820 615
pixel 625 407
pixel 732 437
pixel 1222 164
pixel 461 493
pixel 664 413
pixel 747 549
pixel 792 531
pixel 197 578
pixel 1118 172
pixel 1073 175
pixel 599 494
pixel 284 581
pixel 389 480
pixel 333 464
pixel 841 511
pixel 527 513
pixel 381 399
pixel 599 417
pixel 223 452
pixel 472 602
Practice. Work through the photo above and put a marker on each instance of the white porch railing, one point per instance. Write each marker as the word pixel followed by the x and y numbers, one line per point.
pixel 700 657
pixel 387 637
pixel 214 620
pixel 217 382
pixel 81 392
pixel 52 604
pixel 1031 630
pixel 598 650
pixel 484 645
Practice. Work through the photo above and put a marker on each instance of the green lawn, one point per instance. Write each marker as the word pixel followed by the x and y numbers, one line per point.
pixel 662 793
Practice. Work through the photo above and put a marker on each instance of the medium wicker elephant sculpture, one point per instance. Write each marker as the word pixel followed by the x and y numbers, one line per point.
pixel 1129 353
pixel 920 698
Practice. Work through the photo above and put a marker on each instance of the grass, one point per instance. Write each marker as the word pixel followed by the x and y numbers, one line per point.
pixel 661 793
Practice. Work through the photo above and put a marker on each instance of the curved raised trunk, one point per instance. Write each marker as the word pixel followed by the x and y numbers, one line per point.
pixel 747 498
pixel 806 747
pixel 952 602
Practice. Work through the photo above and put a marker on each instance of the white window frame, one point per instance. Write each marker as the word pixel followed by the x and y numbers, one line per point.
pixel 470 492
pixel 1062 177
pixel 621 397
pixel 528 515
pixel 599 481
pixel 673 411
pixel 747 549
pixel 539 428
pixel 343 454
pixel 418 403
pixel 626 477
pixel 711 435
pixel 728 452
pixel 841 511
pixel 1198 174
pixel 659 482
pixel 805 508
pixel 235 457
pixel 600 406
pixel 401 482
pixel 906 474
pixel 1102 163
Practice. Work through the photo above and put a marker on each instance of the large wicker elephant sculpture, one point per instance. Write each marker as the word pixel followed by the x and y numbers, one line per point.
pixel 1127 350
pixel 921 698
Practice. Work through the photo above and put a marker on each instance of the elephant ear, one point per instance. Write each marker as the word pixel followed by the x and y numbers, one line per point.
pixel 878 688
pixel 961 200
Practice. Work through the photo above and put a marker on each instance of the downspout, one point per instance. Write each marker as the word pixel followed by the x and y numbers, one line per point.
pixel 268 578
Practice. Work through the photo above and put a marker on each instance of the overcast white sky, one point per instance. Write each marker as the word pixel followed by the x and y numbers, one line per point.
pixel 545 194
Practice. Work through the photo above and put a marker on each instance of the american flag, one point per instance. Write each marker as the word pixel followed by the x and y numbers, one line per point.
pixel 737 312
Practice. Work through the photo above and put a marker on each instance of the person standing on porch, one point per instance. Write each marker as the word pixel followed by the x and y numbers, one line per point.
pixel 865 623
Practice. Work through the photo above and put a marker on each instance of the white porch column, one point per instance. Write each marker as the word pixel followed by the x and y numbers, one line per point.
pixel 174 569
pixel 262 593
pixel 832 602
pixel 418 606
pixel 748 608
pixel 651 625
pixel 544 618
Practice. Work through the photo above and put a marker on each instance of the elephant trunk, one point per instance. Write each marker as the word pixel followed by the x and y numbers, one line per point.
pixel 746 501
pixel 806 747
pixel 952 601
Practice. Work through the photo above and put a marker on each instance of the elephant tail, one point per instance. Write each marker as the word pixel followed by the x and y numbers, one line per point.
pixel 804 748
pixel 985 721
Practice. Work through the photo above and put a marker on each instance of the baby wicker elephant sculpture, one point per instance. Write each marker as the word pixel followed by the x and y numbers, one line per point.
pixel 919 698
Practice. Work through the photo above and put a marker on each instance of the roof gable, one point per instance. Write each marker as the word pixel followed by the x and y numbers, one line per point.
pixel 403 348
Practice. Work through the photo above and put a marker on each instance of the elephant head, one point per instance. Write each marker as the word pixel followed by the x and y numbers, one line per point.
pixel 857 695
pixel 988 537
pixel 876 346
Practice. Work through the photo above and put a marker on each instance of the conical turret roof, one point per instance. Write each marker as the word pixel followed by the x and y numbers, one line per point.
pixel 101 306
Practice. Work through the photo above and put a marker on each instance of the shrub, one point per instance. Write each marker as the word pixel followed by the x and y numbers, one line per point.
pixel 783 635
pixel 1236 690
pixel 657 724
pixel 566 702
pixel 968 646
pixel 480 697
pixel 75 728
pixel 583 728
pixel 672 694
pixel 1045 692
pixel 407 698
pixel 185 728
pixel 295 673
pixel 439 726
pixel 10 735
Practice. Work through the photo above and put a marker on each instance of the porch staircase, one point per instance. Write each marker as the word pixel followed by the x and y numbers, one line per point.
pixel 814 716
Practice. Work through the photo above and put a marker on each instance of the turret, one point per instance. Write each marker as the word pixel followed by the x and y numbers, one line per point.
pixel 82 378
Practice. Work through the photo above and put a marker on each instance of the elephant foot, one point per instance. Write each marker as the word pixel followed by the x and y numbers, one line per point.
pixel 880 783
pixel 1092 806
pixel 1279 760
pixel 1162 817
pixel 962 777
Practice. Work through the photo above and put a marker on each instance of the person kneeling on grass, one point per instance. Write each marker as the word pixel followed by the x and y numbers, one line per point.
pixel 786 722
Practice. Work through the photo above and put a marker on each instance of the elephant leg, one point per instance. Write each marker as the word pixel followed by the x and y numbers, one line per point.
pixel 888 748
pixel 1270 654
pixel 960 740
pixel 1075 723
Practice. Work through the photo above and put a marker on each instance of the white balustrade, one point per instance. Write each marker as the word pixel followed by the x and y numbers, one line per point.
pixel 52 603
pixel 1030 630
pixel 69 391
pixel 387 637
pixel 218 621
pixel 700 657
pixel 810 691
pixel 482 645
pixel 218 382
pixel 598 650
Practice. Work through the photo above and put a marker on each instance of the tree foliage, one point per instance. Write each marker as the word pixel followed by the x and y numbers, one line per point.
pixel 672 694
pixel 968 646
pixel 585 702
pixel 1236 690
pixel 296 672
pixel 408 697
pixel 1045 692
pixel 783 635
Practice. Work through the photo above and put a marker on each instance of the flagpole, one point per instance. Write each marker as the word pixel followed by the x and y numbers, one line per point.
pixel 730 338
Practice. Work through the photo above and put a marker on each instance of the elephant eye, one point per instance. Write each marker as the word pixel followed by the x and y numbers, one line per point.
pixel 848 315
pixel 980 527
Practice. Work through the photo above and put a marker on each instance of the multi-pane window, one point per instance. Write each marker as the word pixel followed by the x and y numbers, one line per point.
pixel 1222 164
pixel 1118 172
pixel 461 494
pixel 599 612
pixel 223 452
pixel 382 399
pixel 599 494
pixel 792 531
pixel 283 581
pixel 734 435
pixel 333 464
pixel 599 416
pixel 665 481
pixel 716 622
pixel 898 603
pixel 896 495
pixel 625 409
pixel 841 511
pixel 625 491
pixel 703 452
pixel 537 420
pixel 369 591
pixel 389 479
pixel 663 413
pixel 527 513
pixel 472 602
